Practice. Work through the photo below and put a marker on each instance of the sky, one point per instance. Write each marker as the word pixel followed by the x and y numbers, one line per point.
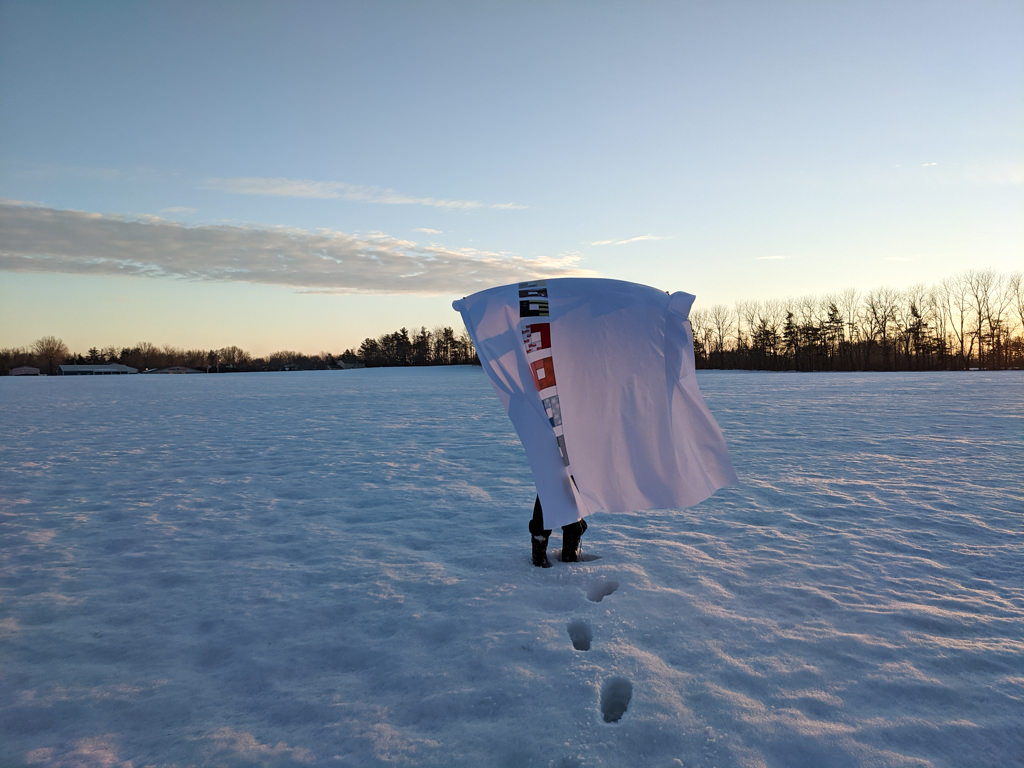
pixel 301 175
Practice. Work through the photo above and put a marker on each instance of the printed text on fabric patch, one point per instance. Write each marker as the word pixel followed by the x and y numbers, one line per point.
pixel 534 303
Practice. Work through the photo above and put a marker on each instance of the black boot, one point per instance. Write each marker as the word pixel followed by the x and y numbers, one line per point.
pixel 539 536
pixel 540 549
pixel 571 535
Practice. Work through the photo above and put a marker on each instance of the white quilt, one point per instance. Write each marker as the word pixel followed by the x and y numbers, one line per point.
pixel 598 378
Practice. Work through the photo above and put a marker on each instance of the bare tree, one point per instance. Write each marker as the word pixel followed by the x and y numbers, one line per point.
pixel 743 315
pixel 768 329
pixel 909 322
pixel 956 301
pixel 935 314
pixel 703 334
pixel 877 318
pixel 720 318
pixel 283 359
pixel 750 311
pixel 51 351
pixel 832 329
pixel 12 357
pixel 233 357
pixel 847 302
pixel 980 287
pixel 998 309
pixel 1015 289
pixel 194 358
pixel 145 355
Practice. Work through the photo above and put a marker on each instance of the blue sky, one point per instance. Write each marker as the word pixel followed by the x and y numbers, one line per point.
pixel 301 175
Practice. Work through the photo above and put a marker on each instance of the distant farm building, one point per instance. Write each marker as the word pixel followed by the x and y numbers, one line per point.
pixel 95 370
pixel 24 370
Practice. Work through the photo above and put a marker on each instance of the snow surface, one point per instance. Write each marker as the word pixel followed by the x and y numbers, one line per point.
pixel 332 569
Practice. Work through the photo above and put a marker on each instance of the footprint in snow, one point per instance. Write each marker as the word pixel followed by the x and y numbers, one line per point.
pixel 580 634
pixel 615 695
pixel 598 591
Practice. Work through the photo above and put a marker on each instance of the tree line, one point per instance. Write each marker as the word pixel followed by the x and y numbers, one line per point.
pixel 438 347
pixel 972 320
pixel 441 346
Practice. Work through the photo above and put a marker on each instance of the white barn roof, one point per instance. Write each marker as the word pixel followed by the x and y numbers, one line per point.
pixel 95 370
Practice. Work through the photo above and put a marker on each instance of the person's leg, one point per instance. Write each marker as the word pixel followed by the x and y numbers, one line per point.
pixel 539 536
pixel 571 535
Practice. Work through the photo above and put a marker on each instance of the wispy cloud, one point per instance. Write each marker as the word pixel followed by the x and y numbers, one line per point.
pixel 628 240
pixel 996 173
pixel 178 210
pixel 429 231
pixel 340 190
pixel 39 239
pixel 508 206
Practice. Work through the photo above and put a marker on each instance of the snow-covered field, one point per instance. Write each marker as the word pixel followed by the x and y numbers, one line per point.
pixel 332 569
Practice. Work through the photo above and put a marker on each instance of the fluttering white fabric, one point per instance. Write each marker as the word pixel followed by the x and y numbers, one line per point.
pixel 598 379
